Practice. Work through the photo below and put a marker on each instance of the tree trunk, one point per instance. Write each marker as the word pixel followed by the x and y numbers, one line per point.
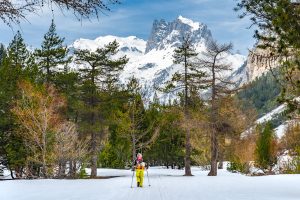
pixel 59 175
pixel 73 169
pixel 48 72
pixel 11 174
pixel 221 164
pixel 213 137
pixel 133 149
pixel 18 172
pixel 62 169
pixel 94 157
pixel 94 150
pixel 133 138
pixel 44 167
pixel 187 159
pixel 214 155
pixel 188 171
pixel 221 150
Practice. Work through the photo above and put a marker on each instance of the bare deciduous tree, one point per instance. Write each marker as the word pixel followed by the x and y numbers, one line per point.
pixel 12 11
pixel 53 142
pixel 37 112
pixel 69 149
pixel 213 61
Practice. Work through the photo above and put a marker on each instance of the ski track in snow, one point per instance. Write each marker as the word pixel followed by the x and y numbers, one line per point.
pixel 165 185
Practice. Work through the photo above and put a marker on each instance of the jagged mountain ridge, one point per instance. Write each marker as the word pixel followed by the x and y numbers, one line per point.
pixel 166 34
pixel 151 61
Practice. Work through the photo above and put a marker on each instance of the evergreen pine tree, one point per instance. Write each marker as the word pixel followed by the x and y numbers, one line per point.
pixel 67 82
pixel 136 115
pixel 168 149
pixel 11 72
pixel 16 66
pixel 52 54
pixel 17 52
pixel 265 148
pixel 2 53
pixel 100 74
pixel 189 80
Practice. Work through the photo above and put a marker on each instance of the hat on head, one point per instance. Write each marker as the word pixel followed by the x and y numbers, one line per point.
pixel 139 156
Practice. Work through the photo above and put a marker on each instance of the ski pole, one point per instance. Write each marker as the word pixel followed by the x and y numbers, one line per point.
pixel 148 178
pixel 132 177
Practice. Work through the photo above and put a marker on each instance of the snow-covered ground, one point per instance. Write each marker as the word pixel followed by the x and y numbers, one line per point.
pixel 165 184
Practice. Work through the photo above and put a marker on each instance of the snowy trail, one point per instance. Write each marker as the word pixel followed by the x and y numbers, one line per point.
pixel 165 185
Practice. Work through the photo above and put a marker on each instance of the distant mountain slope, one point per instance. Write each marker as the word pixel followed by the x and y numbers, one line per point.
pixel 261 94
pixel 277 118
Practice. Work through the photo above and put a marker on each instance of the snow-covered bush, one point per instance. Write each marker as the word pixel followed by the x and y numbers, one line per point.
pixel 255 171
pixel 289 163
pixel 289 160
pixel 237 166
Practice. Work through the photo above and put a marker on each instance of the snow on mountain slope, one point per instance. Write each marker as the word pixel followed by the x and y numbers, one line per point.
pixel 281 129
pixel 269 116
pixel 131 46
pixel 151 61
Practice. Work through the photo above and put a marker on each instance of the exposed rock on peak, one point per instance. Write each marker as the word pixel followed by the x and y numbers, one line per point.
pixel 170 34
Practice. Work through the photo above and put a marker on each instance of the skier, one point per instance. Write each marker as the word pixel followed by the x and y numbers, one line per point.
pixel 140 166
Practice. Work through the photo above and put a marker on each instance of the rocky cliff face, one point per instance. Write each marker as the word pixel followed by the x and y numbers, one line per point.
pixel 259 62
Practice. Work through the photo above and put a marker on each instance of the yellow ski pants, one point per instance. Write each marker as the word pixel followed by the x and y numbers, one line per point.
pixel 140 176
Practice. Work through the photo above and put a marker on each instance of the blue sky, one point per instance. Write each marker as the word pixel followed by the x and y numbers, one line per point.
pixel 135 17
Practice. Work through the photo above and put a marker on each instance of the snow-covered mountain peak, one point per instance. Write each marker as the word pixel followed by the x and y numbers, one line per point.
pixel 166 35
pixel 191 23
pixel 152 61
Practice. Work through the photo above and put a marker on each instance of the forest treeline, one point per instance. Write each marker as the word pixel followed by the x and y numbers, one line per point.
pixel 55 120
